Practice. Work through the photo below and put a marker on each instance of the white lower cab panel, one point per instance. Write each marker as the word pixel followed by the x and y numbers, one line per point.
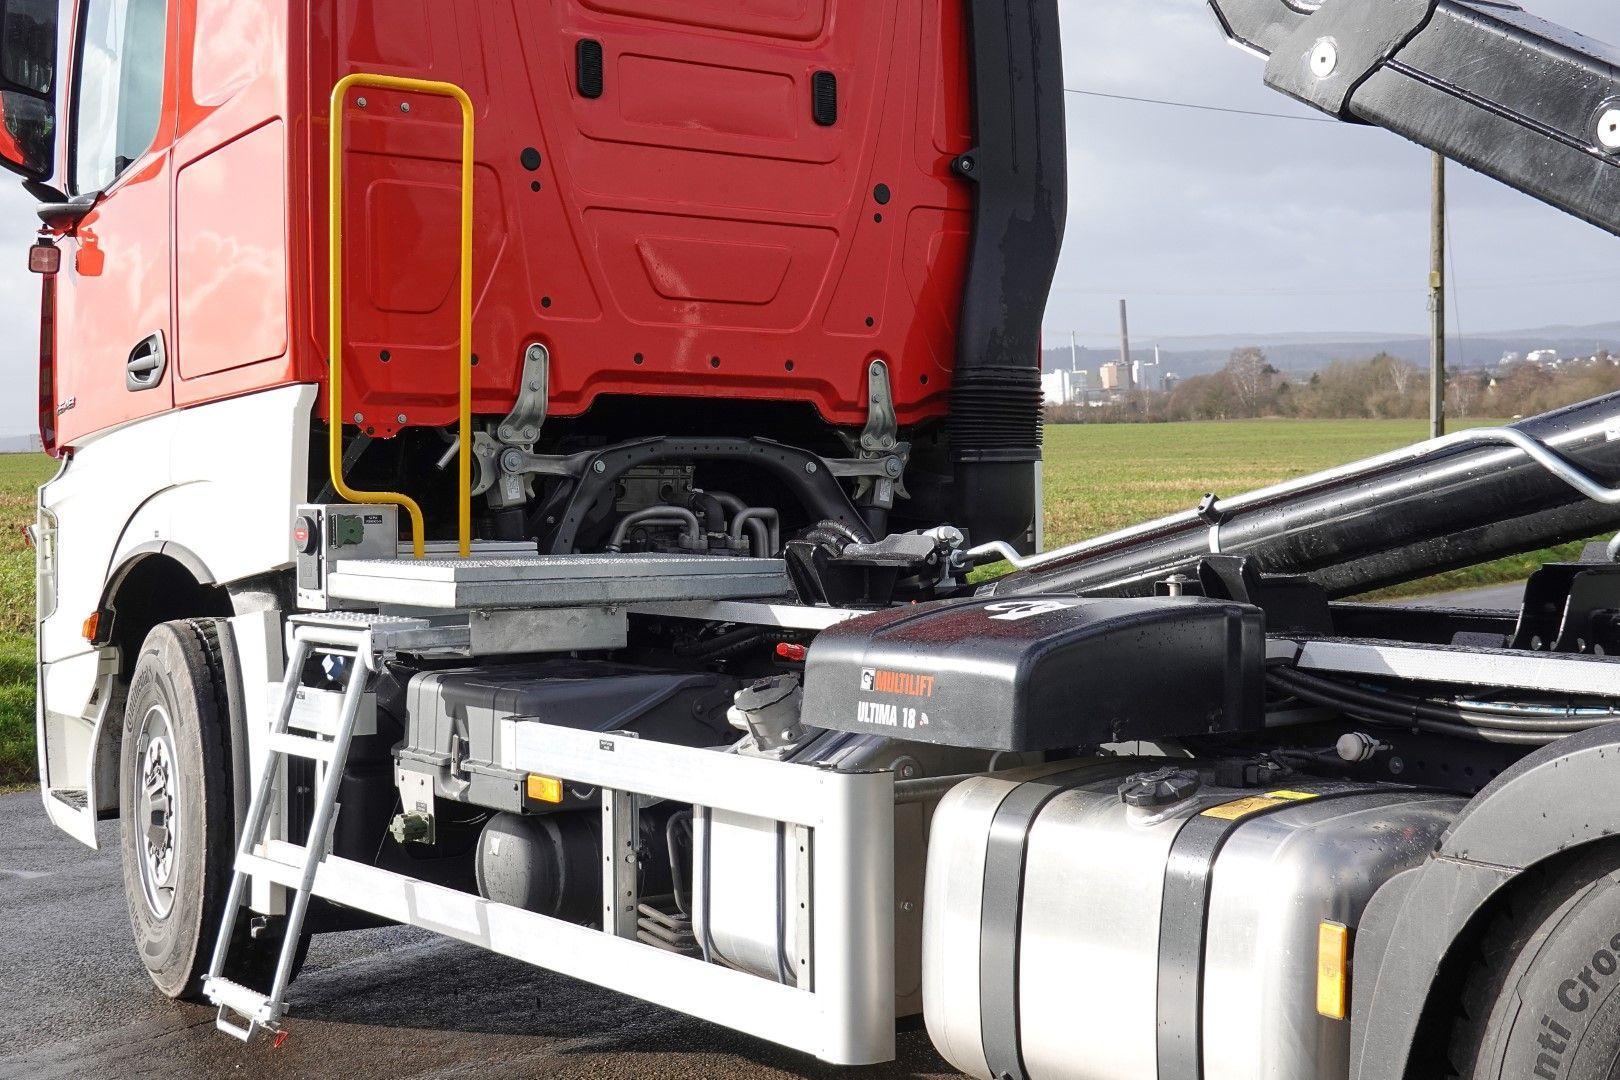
pixel 213 486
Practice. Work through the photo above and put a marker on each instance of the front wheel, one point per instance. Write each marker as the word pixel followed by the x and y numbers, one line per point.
pixel 1542 1000
pixel 178 834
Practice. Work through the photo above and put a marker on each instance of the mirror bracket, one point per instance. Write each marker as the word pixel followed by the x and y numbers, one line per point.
pixel 44 193
pixel 64 215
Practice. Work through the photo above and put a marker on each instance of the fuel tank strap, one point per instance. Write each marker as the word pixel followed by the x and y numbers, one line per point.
pixel 1003 900
pixel 1184 916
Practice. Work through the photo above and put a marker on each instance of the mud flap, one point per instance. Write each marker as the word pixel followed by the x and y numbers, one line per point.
pixel 71 754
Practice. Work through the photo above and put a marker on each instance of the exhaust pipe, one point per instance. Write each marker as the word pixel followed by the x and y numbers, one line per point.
pixel 1019 169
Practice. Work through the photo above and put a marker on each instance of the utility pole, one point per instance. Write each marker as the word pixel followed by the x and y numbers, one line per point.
pixel 1437 302
pixel 1125 347
pixel 1074 369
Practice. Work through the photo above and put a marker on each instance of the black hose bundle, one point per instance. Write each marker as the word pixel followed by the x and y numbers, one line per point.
pixel 730 643
pixel 1516 723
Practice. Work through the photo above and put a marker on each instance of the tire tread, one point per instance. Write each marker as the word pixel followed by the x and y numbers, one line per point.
pixel 1540 901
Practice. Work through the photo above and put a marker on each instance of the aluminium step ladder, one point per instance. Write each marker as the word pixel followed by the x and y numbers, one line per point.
pixel 362 638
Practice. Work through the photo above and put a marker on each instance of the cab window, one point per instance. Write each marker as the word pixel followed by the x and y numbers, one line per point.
pixel 120 87
pixel 28 45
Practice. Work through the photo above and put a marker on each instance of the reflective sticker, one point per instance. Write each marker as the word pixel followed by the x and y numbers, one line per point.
pixel 1242 808
pixel 1254 804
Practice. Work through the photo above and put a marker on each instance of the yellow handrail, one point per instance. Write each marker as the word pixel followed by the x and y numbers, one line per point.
pixel 335 298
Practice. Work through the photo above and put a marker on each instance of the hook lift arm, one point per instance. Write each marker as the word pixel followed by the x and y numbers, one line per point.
pixel 1483 82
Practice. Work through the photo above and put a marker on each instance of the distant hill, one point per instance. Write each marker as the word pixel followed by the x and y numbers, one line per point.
pixel 1304 353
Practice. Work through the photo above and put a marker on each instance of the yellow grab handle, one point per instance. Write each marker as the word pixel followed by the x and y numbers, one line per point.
pixel 335 289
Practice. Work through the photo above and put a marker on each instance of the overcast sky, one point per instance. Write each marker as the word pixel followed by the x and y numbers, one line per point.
pixel 1208 223
pixel 1212 223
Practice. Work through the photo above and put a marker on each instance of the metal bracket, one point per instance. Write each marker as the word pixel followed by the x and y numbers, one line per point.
pixel 880 464
pixel 882 432
pixel 1210 511
pixel 522 425
pixel 519 430
pixel 621 841
pixel 1570 608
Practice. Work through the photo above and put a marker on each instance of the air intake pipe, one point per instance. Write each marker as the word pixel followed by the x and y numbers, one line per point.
pixel 1019 170
pixel 1389 520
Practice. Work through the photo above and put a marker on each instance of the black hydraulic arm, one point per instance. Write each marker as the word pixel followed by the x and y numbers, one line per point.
pixel 1483 82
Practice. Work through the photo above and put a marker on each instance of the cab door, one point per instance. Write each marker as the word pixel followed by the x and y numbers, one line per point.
pixel 114 313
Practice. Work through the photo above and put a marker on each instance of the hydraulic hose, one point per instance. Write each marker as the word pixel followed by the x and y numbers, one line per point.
pixel 1526 724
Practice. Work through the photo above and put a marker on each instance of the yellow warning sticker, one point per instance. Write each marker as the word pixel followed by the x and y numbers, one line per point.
pixel 1254 804
pixel 1242 808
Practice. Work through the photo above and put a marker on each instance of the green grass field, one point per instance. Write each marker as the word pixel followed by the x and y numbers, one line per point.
pixel 20 474
pixel 1098 477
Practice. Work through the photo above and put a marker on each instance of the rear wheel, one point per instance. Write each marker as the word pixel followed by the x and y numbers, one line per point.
pixel 1543 1001
pixel 178 818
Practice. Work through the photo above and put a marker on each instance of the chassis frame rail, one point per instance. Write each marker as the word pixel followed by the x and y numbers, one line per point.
pixel 844 1015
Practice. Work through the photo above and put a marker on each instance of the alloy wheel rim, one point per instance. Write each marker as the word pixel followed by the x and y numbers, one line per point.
pixel 158 812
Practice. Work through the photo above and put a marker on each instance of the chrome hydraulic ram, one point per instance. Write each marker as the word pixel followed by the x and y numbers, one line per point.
pixel 1402 516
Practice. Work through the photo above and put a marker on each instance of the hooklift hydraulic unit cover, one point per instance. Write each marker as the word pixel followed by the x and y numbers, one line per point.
pixel 1043 673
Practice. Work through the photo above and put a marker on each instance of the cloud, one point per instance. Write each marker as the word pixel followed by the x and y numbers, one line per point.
pixel 1217 223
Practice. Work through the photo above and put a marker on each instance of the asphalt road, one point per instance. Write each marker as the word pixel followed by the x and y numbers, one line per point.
pixel 1507 597
pixel 75 1001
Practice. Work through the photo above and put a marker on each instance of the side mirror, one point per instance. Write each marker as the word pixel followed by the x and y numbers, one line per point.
pixel 28 87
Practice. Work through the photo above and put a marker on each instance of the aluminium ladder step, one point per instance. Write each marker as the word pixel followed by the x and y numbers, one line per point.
pixel 242 1000
pixel 361 637
pixel 301 746
pixel 272 870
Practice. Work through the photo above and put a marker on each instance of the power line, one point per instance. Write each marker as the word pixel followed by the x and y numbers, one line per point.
pixel 1201 108
pixel 1456 305
pixel 1392 288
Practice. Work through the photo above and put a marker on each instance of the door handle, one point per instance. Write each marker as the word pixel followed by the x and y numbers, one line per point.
pixel 146 364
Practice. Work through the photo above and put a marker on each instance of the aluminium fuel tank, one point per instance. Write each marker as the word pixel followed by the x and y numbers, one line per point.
pixel 1069 935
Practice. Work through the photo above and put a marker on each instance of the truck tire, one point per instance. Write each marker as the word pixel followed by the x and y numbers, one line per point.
pixel 1541 1001
pixel 178 831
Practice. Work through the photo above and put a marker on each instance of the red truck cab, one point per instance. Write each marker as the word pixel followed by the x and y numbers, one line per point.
pixel 829 226
pixel 676 204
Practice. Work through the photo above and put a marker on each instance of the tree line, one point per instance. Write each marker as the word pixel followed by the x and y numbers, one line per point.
pixel 1381 387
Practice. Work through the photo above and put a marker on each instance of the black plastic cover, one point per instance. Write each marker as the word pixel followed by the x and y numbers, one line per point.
pixel 1043 673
